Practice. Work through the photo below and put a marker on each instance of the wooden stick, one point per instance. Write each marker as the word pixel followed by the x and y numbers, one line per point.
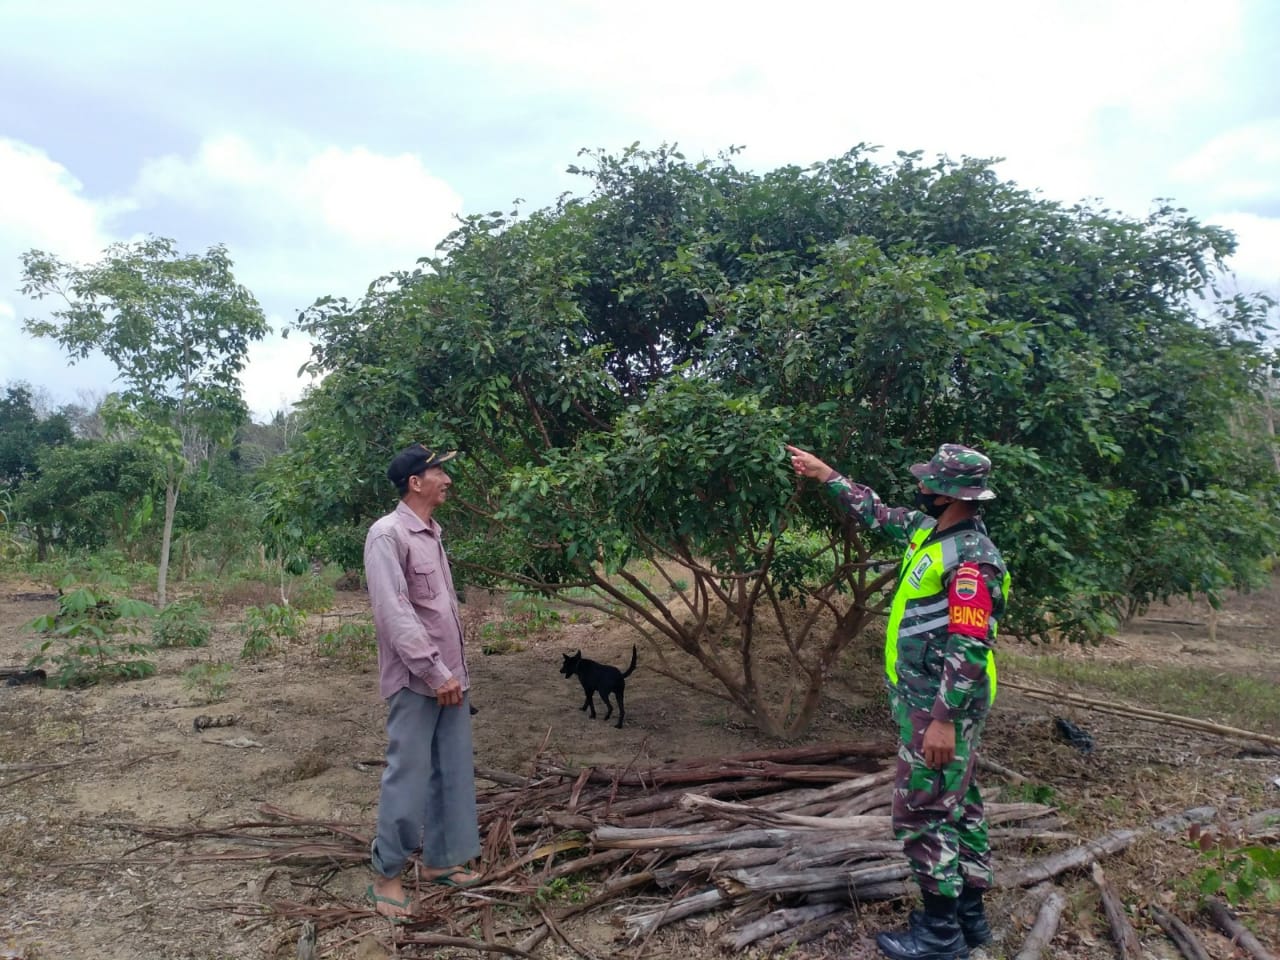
pixel 1240 935
pixel 1037 693
pixel 1013 776
pixel 647 922
pixel 773 881
pixel 1180 934
pixel 463 943
pixel 1045 927
pixel 1122 931
pixel 776 922
pixel 1081 856
pixel 803 933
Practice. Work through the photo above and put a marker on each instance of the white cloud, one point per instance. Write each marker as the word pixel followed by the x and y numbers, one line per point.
pixel 1241 165
pixel 300 223
pixel 1257 258
pixel 371 213
pixel 270 379
pixel 1023 80
pixel 43 206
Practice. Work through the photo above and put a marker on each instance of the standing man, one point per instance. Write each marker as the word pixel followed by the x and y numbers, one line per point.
pixel 952 588
pixel 428 797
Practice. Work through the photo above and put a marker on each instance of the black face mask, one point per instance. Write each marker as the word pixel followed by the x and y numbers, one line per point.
pixel 925 501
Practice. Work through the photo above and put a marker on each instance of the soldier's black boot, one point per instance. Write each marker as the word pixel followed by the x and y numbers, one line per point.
pixel 934 934
pixel 973 918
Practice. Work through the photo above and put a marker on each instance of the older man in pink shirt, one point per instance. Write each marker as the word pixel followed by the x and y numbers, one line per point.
pixel 428 798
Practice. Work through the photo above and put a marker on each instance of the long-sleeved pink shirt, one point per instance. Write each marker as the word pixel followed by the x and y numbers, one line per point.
pixel 415 608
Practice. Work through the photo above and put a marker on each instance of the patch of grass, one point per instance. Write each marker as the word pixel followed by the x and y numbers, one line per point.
pixel 1216 696
pixel 563 889
pixel 208 680
pixel 1029 793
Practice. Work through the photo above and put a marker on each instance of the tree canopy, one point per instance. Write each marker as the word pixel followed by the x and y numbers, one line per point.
pixel 623 367
pixel 178 328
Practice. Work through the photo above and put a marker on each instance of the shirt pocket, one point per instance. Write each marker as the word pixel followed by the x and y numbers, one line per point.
pixel 424 582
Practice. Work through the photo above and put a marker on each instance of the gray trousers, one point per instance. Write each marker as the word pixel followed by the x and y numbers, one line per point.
pixel 428 797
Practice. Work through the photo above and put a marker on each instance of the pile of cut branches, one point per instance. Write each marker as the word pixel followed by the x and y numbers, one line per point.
pixel 776 843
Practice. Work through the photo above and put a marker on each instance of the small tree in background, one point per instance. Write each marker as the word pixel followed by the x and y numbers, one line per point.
pixel 177 327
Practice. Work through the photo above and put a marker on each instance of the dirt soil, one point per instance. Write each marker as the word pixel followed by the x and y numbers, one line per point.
pixel 310 735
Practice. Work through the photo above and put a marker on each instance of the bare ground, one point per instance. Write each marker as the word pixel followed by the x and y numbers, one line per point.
pixel 128 753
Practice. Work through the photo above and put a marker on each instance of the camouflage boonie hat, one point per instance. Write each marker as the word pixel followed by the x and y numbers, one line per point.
pixel 956 471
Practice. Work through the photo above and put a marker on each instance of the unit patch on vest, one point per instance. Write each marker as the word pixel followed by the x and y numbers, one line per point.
pixel 969 601
pixel 921 568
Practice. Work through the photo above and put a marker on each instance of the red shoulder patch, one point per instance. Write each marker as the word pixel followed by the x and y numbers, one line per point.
pixel 969 602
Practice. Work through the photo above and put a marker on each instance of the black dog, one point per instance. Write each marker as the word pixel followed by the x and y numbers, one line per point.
pixel 599 678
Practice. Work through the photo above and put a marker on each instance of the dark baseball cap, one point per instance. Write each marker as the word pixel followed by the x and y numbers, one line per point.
pixel 411 461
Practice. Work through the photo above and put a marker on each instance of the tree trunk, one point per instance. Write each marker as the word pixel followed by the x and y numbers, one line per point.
pixel 1239 934
pixel 1045 927
pixel 1122 932
pixel 166 540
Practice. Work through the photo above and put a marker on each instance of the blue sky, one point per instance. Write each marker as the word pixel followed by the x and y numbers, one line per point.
pixel 327 143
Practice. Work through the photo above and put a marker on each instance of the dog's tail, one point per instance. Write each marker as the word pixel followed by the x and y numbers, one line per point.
pixel 627 672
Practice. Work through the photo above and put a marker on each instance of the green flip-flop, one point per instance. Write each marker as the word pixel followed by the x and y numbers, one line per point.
pixel 446 880
pixel 376 898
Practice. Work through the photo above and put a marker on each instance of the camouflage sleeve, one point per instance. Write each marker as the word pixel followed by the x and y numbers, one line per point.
pixel 862 502
pixel 974 599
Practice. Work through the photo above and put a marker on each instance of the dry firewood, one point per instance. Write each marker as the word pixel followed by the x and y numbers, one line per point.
pixel 867 825
pixel 799 801
pixel 668 799
pixel 742 813
pixel 803 933
pixel 990 766
pixel 711 772
pixel 1031 833
pixel 817 753
pixel 1122 932
pixel 776 922
pixel 702 838
pixel 866 802
pixel 840 850
pixel 582 864
pixel 1239 934
pixel 1081 856
pixel 639 924
pixel 776 881
pixel 1045 927
pixel 1263 823
pixel 461 943
pixel 719 861
pixel 1180 934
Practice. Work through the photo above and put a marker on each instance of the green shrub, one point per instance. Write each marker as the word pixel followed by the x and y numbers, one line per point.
pixel 499 637
pixel 263 628
pixel 181 624
pixel 209 680
pixel 1236 868
pixel 88 640
pixel 313 596
pixel 353 640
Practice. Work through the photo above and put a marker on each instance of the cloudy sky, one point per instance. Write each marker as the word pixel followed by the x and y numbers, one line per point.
pixel 326 143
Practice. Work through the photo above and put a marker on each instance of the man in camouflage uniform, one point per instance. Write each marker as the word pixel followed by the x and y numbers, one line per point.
pixel 952 588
